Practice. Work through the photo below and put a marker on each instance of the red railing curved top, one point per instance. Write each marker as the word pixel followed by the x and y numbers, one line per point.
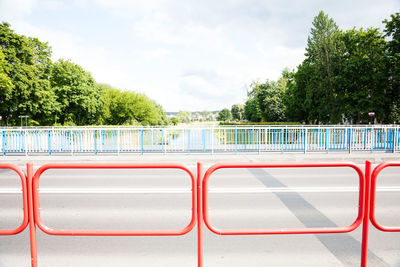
pixel 24 201
pixel 316 230
pixel 46 229
pixel 374 177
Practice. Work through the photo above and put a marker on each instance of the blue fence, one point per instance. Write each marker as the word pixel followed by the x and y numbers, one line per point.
pixel 195 140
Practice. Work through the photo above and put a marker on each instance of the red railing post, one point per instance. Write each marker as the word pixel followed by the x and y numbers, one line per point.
pixel 32 226
pixel 364 244
pixel 199 217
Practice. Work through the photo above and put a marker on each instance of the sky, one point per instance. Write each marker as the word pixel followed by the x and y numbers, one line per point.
pixel 186 55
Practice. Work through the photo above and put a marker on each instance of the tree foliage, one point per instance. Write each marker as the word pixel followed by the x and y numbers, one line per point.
pixel 237 111
pixel 184 116
pixel 27 64
pixel 392 31
pixel 344 76
pixel 130 108
pixel 61 92
pixel 224 115
pixel 78 95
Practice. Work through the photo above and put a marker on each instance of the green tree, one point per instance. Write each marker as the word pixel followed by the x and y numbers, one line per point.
pixel 77 93
pixel 6 85
pixel 270 100
pixel 392 32
pixel 252 110
pixel 363 76
pixel 27 65
pixel 293 100
pixel 184 116
pixel 162 116
pixel 324 52
pixel 237 111
pixel 130 108
pixel 114 111
pixel 174 121
pixel 224 115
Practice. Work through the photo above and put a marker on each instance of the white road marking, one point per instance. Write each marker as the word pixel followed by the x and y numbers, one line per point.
pixel 244 190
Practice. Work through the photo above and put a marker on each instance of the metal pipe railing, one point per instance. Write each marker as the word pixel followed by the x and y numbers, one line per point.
pixel 199 140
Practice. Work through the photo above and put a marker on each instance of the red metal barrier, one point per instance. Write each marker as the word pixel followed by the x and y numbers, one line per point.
pixel 199 217
pixel 374 177
pixel 47 230
pixel 317 230
pixel 31 204
pixel 24 201
pixel 364 242
pixel 35 210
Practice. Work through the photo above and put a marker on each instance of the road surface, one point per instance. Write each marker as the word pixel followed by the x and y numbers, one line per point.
pixel 240 198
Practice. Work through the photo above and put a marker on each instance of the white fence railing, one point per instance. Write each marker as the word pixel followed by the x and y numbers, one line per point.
pixel 207 139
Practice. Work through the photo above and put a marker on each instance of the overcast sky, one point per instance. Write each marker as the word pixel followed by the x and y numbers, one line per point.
pixel 186 55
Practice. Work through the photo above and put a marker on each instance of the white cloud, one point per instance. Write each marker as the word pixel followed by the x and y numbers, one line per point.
pixel 11 9
pixel 187 54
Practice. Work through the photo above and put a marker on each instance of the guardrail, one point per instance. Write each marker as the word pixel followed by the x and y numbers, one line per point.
pixel 72 140
pixel 36 203
pixel 199 204
pixel 24 191
pixel 320 230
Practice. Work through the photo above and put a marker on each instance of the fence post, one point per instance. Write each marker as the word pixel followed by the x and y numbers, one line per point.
pixel 49 141
pixel 141 141
pixel 372 139
pixel 199 216
pixel 72 141
pixel 188 133
pixel 203 135
pixel 305 140
pixel 349 133
pixel 101 140
pixel 236 139
pixel 118 140
pixel 4 142
pixel 394 139
pixel 327 132
pixel 95 141
pixel 26 142
pixel 32 226
pixel 162 140
pixel 245 140
pixel 166 141
pixel 364 243
pixel 212 140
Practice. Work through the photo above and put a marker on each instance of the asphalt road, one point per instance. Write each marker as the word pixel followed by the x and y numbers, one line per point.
pixel 240 198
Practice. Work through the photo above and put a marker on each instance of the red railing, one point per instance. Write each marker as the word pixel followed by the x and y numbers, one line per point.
pixel 24 223
pixel 374 178
pixel 199 199
pixel 36 204
pixel 319 230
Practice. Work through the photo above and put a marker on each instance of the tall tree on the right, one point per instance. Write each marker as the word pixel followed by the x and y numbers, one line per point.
pixel 392 31
pixel 316 75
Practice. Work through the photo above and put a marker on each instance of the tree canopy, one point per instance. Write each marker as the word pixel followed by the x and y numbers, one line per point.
pixel 62 92
pixel 224 115
pixel 344 76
